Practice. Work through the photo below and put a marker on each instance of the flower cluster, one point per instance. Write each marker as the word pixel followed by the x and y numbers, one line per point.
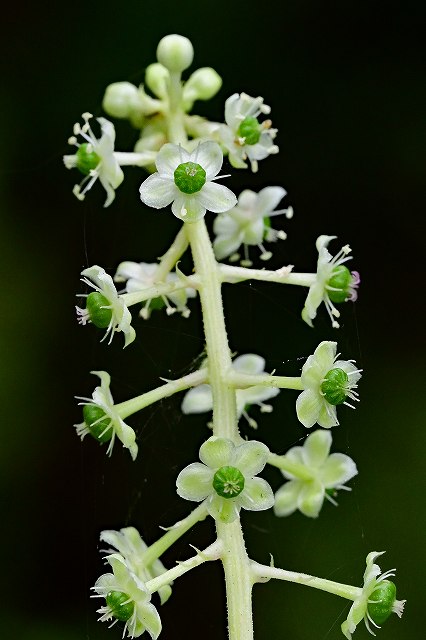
pixel 314 475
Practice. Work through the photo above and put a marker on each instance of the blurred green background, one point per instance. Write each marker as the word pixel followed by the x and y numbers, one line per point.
pixel 346 83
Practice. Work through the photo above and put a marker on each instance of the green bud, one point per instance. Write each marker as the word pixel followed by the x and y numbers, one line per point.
pixel 383 598
pixel 250 130
pixel 341 279
pixel 334 386
pixel 86 160
pixel 115 600
pixel 190 177
pixel 228 482
pixel 97 422
pixel 95 305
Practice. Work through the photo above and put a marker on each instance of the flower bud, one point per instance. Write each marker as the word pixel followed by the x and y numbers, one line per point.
pixel 99 309
pixel 203 84
pixel 156 79
pixel 120 99
pixel 175 53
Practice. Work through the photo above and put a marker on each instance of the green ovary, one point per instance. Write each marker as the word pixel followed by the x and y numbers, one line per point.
pixel 383 598
pixel 86 160
pixel 119 605
pixel 250 130
pixel 228 482
pixel 341 279
pixel 95 305
pixel 189 177
pixel 101 431
pixel 334 386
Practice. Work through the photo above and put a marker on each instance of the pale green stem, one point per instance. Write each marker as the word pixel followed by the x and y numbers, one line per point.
pixel 129 407
pixel 172 255
pixel 297 469
pixel 245 380
pixel 262 572
pixel 156 549
pixel 175 122
pixel 282 276
pixel 133 159
pixel 236 563
pixel 160 289
pixel 213 552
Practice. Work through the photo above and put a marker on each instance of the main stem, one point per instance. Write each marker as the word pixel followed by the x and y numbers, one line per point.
pixel 236 564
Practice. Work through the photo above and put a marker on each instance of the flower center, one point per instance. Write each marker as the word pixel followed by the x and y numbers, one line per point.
pixel 87 159
pixel 228 482
pixel 381 601
pixel 120 606
pixel 339 285
pixel 250 129
pixel 97 422
pixel 99 315
pixel 334 386
pixel 189 177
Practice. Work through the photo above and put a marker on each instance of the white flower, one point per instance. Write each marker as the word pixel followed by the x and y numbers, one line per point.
pixel 102 420
pixel 200 399
pixel 105 308
pixel 95 158
pixel 326 383
pixel 319 473
pixel 131 546
pixel 243 136
pixel 185 180
pixel 226 479
pixel 127 599
pixel 140 276
pixel 333 282
pixel 376 600
pixel 248 224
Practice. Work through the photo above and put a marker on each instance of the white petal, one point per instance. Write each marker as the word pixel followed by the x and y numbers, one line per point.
pixel 349 368
pixel 217 452
pixel 188 208
pixel 268 199
pixel 157 192
pixel 257 495
pixel 316 448
pixel 308 407
pixel 225 225
pixel 337 470
pixel 311 498
pixel 198 400
pixel 286 498
pixel 225 246
pixel 169 157
pixel 223 509
pixel 327 416
pixel 217 197
pixel 250 458
pixel 249 363
pixel 209 156
pixel 195 482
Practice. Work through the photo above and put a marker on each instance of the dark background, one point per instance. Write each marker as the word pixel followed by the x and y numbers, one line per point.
pixel 346 83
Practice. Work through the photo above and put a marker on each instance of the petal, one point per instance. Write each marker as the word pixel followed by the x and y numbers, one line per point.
pixel 257 495
pixel 217 452
pixel 188 208
pixel 327 416
pixel 169 157
pixel 195 482
pixel 249 363
pixel 316 448
pixel 313 300
pixel 209 155
pixel 269 198
pixel 217 197
pixel 225 246
pixel 198 400
pixel 127 436
pixel 148 615
pixel 157 192
pixel 256 395
pixel 311 499
pixel 350 368
pixel 251 457
pixel 225 224
pixel 223 509
pixel 286 498
pixel 338 469
pixel 308 407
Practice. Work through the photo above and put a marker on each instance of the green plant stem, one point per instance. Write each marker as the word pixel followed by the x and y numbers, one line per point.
pixel 175 122
pixel 161 545
pixel 282 276
pixel 295 468
pixel 245 380
pixel 158 290
pixel 172 255
pixel 129 407
pixel 133 159
pixel 262 572
pixel 235 561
